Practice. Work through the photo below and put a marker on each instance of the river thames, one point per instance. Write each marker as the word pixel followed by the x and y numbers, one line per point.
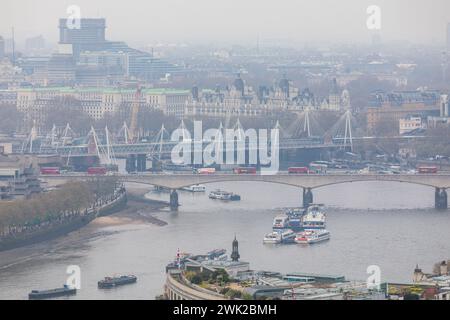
pixel 392 225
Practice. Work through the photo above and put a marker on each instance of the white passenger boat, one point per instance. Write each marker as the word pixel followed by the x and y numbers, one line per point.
pixel 312 236
pixel 280 222
pixel 195 188
pixel 314 218
pixel 277 237
pixel 272 238
pixel 224 195
pixel 288 236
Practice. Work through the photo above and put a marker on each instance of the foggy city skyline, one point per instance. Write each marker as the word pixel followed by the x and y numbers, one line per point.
pixel 236 22
pixel 246 151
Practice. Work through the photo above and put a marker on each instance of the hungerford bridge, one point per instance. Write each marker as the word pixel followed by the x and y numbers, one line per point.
pixel 303 133
pixel 308 182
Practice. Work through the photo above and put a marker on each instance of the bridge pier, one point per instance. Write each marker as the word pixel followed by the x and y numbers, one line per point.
pixel 136 163
pixel 156 165
pixel 307 197
pixel 440 199
pixel 130 164
pixel 174 204
pixel 141 163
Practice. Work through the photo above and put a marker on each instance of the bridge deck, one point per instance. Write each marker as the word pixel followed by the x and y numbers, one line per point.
pixel 180 180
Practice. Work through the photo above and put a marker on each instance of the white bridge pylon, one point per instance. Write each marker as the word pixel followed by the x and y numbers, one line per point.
pixel 299 132
pixel 306 125
pixel 343 129
pixel 104 152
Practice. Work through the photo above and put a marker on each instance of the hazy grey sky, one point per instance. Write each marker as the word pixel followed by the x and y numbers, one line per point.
pixel 234 21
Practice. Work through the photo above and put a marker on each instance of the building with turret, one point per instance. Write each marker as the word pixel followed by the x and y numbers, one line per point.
pixel 240 99
pixel 439 277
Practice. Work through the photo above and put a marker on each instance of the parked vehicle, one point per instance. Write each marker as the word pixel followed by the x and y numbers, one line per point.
pixel 245 170
pixel 424 169
pixel 298 170
pixel 319 168
pixel 96 170
pixel 205 170
pixel 50 170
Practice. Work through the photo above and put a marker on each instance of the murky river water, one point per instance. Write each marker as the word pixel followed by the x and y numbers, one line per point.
pixel 392 225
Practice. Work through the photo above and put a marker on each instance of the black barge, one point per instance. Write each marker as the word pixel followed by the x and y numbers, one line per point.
pixel 52 293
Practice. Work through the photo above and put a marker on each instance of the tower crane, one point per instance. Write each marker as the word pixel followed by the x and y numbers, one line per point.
pixel 134 116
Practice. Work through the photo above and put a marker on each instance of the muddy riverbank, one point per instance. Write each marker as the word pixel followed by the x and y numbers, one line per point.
pixel 132 208
pixel 139 209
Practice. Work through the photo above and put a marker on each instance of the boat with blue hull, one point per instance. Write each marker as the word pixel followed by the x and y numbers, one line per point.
pixel 290 219
pixel 112 282
pixel 308 224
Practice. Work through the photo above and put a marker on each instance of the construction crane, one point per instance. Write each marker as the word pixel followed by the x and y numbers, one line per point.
pixel 132 137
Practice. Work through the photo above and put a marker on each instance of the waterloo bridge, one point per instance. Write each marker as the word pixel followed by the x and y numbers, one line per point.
pixel 308 182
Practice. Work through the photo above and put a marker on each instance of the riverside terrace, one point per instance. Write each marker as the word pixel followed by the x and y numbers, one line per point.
pixel 440 182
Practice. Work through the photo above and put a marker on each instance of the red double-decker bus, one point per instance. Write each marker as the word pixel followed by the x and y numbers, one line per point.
pixel 424 169
pixel 298 170
pixel 245 170
pixel 50 170
pixel 96 170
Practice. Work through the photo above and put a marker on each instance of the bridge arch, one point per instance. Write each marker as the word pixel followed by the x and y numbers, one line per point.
pixel 441 182
pixel 372 180
pixel 307 183
pixel 299 181
pixel 162 185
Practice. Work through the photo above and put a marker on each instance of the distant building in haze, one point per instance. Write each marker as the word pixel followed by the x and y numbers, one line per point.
pixel 89 37
pixel 34 45
pixel 448 37
pixel 2 48
pixel 392 106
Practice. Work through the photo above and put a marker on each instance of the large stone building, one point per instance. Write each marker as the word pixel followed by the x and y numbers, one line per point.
pixel 392 106
pixel 239 99
pixel 235 100
pixel 35 103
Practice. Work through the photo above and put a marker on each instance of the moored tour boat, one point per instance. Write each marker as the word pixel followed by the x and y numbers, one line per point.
pixel 288 236
pixel 272 238
pixel 280 222
pixel 277 237
pixel 195 188
pixel 312 236
pixel 314 218
pixel 224 195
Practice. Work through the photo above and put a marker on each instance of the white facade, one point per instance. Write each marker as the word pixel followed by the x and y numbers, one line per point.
pixel 96 102
pixel 410 124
